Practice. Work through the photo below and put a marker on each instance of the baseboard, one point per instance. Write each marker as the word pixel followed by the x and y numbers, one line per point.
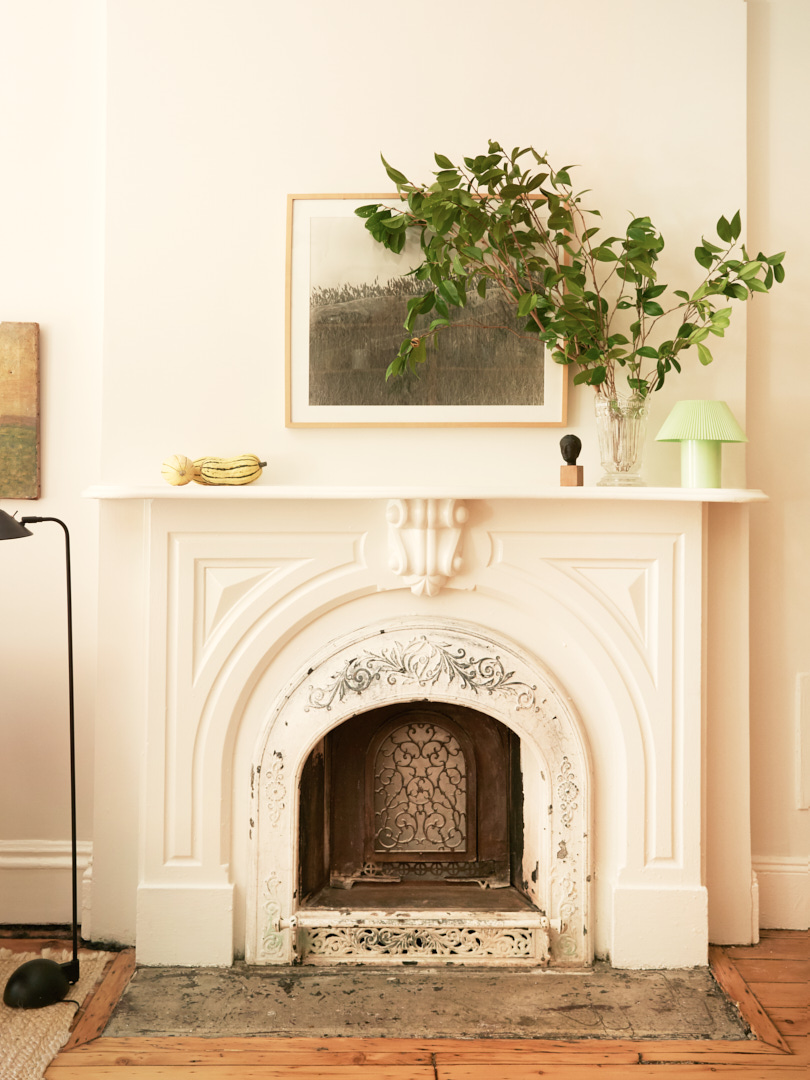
pixel 35 885
pixel 784 892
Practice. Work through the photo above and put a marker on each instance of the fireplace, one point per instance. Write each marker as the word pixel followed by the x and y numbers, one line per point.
pixel 386 727
pixel 501 872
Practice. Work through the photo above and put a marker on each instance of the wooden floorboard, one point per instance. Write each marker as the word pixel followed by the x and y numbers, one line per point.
pixel 772 979
pixel 791 1021
pixel 728 974
pixel 94 1015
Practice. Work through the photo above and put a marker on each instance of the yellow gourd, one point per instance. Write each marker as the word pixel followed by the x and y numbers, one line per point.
pixel 177 470
pixel 236 470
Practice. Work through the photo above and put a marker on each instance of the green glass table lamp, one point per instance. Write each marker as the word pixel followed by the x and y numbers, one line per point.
pixel 701 427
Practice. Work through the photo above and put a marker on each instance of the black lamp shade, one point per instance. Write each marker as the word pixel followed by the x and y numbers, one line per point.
pixel 10 528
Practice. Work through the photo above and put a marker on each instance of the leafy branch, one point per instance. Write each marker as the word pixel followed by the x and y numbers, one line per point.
pixel 492 222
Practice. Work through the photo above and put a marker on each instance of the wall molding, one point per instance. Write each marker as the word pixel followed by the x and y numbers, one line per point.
pixel 784 892
pixel 35 882
pixel 43 854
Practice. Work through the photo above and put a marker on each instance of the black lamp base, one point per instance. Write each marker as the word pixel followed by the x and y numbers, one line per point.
pixel 40 982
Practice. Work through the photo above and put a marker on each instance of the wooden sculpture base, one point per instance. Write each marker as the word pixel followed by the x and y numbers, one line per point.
pixel 571 475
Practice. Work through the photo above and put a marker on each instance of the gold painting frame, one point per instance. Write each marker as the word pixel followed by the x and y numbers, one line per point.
pixel 311 400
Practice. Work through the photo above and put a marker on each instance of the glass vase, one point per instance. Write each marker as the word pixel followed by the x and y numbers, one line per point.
pixel 621 426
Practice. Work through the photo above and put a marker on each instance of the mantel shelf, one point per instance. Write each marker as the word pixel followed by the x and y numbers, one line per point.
pixel 450 491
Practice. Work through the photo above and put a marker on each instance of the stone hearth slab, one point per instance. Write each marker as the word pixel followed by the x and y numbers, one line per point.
pixel 426 1002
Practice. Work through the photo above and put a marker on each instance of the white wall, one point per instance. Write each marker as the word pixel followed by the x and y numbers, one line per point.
pixel 778 458
pixel 218 111
pixel 215 112
pixel 51 225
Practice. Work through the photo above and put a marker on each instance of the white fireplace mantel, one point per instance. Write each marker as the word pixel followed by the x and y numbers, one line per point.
pixel 216 603
pixel 432 491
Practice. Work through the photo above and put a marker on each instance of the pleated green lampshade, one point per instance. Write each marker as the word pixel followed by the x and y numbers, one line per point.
pixel 701 420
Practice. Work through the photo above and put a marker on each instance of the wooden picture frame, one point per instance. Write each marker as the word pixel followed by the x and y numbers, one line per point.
pixel 346 303
pixel 19 410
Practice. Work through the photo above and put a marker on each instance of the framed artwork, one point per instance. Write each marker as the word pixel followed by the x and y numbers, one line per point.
pixel 346 304
pixel 19 410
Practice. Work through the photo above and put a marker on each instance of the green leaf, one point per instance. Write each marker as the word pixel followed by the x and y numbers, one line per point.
pixel 418 354
pixel 527 303
pixel 450 292
pixel 779 272
pixel 394 174
pixel 704 257
pixel 368 210
pixel 443 162
pixel 648 351
pixel 396 241
pixel 652 307
pixel 750 270
pixel 736 226
pixel 683 295
pixel 591 376
pixel 724 230
pixel 644 267
pixel 704 355
pixel 755 285
pixel 738 291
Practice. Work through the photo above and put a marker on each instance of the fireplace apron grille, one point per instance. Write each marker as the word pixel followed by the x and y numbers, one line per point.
pixel 460 937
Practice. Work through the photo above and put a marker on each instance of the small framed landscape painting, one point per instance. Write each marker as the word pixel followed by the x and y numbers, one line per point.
pixel 346 305
pixel 19 410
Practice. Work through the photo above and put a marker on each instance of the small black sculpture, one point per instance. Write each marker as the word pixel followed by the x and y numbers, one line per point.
pixel 571 448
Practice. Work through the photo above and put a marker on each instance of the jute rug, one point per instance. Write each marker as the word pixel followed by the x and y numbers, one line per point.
pixel 31 1038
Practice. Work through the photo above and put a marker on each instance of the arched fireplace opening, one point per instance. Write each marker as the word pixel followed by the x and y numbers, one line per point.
pixel 420 794
pixel 414 805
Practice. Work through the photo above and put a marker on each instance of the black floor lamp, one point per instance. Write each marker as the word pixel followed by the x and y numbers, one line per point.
pixel 43 982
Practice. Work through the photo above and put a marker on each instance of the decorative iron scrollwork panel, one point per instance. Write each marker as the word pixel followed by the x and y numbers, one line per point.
pixel 422 942
pixel 420 791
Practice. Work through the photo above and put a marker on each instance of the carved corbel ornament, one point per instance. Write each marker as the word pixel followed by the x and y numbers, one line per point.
pixel 424 536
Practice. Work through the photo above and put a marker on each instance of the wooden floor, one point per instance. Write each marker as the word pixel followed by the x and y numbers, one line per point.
pixel 770 981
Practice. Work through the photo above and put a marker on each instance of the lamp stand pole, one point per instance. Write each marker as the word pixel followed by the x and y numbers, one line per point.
pixel 42 982
pixel 71 969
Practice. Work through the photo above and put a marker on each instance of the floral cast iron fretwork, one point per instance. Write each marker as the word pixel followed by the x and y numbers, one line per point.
pixel 568 910
pixel 567 791
pixel 272 936
pixel 425 942
pixel 275 791
pixel 426 664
